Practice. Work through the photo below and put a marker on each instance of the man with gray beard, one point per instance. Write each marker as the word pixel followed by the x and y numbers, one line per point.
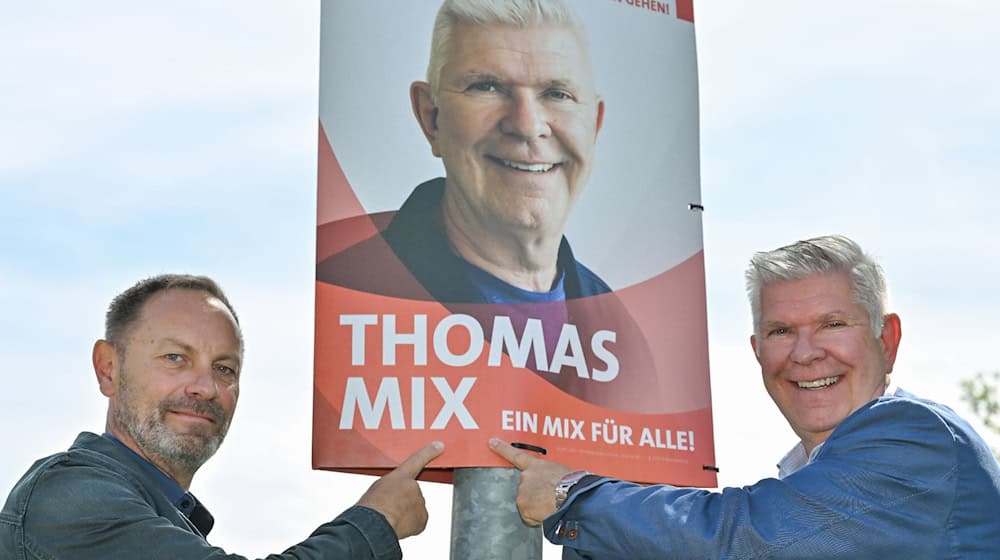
pixel 169 365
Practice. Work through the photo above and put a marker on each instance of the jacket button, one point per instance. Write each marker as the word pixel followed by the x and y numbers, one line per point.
pixel 571 534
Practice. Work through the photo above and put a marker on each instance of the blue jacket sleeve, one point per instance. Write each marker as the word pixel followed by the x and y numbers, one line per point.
pixel 882 485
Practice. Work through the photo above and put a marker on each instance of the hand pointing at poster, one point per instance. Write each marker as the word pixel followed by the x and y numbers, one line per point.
pixel 536 494
pixel 397 495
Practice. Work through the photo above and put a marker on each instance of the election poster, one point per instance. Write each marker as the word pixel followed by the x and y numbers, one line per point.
pixel 509 238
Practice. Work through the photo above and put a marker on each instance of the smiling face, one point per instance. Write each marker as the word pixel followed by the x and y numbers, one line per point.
pixel 173 386
pixel 514 119
pixel 819 359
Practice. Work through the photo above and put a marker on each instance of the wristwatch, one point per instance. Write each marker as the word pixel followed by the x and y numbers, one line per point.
pixel 565 484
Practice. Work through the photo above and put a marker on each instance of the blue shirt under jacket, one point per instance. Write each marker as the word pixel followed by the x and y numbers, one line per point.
pixel 184 501
pixel 899 478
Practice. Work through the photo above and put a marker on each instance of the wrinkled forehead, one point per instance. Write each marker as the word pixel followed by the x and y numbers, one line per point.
pixel 560 50
pixel 819 293
pixel 188 311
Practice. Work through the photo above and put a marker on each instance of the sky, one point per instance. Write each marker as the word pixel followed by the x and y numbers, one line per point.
pixel 140 138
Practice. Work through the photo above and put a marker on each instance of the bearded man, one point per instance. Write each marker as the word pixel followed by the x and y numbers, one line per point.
pixel 170 364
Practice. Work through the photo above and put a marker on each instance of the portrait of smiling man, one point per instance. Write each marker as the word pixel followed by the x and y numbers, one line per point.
pixel 510 108
pixel 817 381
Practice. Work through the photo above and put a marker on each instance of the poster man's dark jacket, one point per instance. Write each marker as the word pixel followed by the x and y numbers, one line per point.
pixel 416 237
pixel 411 258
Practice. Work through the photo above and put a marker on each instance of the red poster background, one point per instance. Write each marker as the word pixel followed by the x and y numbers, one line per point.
pixel 652 423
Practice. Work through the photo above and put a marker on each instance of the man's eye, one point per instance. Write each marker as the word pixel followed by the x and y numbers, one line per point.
pixel 778 331
pixel 558 95
pixel 176 358
pixel 225 370
pixel 835 324
pixel 483 87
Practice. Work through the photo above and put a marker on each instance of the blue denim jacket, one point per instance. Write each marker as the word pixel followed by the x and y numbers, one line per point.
pixel 899 478
pixel 94 501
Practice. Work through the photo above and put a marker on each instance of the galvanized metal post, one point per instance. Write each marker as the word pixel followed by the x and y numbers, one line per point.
pixel 485 524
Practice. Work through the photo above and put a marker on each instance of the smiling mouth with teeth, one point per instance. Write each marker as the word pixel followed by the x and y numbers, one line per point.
pixel 819 383
pixel 529 167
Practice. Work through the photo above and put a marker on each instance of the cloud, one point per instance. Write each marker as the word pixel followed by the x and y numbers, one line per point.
pixel 140 138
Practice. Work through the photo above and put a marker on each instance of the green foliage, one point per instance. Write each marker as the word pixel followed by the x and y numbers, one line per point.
pixel 980 393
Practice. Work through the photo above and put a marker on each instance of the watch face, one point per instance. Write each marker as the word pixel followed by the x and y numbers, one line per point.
pixel 572 478
pixel 566 483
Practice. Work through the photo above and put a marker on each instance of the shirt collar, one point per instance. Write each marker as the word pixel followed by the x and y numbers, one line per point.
pixel 796 458
pixel 184 501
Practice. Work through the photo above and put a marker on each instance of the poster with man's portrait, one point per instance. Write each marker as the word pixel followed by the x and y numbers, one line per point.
pixel 509 237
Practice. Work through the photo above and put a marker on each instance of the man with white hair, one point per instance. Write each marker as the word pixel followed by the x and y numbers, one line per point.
pixel 509 106
pixel 877 472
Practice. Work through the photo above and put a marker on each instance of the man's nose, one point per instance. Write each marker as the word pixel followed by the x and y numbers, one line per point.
pixel 202 382
pixel 526 116
pixel 805 350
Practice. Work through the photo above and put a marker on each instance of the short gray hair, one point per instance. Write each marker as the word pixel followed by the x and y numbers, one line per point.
pixel 126 307
pixel 518 13
pixel 821 255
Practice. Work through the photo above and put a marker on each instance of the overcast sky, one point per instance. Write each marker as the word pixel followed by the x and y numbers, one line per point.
pixel 139 138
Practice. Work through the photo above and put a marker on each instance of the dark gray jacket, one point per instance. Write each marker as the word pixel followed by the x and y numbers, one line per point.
pixel 94 501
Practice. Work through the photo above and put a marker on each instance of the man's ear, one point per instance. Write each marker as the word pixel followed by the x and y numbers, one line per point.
pixel 600 115
pixel 753 344
pixel 426 112
pixel 892 333
pixel 106 366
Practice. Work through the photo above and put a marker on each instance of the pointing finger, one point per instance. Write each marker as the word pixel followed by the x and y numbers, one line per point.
pixel 415 463
pixel 514 456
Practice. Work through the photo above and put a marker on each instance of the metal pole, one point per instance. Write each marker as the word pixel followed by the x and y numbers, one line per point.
pixel 485 524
